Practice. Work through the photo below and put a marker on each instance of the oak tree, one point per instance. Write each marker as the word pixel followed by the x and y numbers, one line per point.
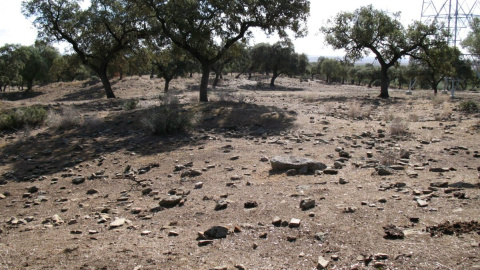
pixel 368 30
pixel 208 28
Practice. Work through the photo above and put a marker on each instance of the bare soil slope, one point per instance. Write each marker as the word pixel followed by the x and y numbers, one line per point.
pixel 106 194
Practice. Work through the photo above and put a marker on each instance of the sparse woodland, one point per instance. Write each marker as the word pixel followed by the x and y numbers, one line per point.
pixel 166 140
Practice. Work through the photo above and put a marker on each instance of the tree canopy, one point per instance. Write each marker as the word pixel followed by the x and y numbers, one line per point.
pixel 207 29
pixel 472 41
pixel 368 30
pixel 97 34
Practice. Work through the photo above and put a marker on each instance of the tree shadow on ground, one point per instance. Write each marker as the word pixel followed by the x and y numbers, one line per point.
pixel 363 100
pixel 88 93
pixel 266 87
pixel 245 118
pixel 16 96
pixel 54 151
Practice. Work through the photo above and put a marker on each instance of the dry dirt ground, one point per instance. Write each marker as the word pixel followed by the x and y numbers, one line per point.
pixel 90 197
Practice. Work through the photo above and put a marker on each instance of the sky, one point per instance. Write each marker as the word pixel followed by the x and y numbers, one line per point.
pixel 15 28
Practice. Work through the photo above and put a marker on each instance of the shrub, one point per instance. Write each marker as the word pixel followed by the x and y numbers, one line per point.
pixel 167 119
pixel 70 117
pixel 469 106
pixel 169 99
pixel 399 126
pixel 388 158
pixel 130 104
pixel 18 118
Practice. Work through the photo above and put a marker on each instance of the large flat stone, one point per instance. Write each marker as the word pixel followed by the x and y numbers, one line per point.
pixel 281 163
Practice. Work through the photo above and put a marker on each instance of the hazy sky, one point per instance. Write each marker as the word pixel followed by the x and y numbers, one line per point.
pixel 14 28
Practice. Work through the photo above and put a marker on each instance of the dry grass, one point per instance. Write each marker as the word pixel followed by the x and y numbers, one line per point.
pixel 439 100
pixel 398 127
pixel 388 158
pixel 68 118
pixel 413 117
pixel 356 111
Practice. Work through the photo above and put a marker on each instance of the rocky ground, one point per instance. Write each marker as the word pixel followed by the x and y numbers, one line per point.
pixel 388 184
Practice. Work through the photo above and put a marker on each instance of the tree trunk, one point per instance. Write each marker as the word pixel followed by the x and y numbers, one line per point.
pixel 217 79
pixel 272 81
pixel 204 83
pixel 167 84
pixel 106 83
pixel 29 86
pixel 384 84
pixel 249 75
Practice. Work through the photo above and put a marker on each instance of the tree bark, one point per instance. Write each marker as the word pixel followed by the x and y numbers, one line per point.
pixel 167 84
pixel 272 81
pixel 217 79
pixel 106 83
pixel 384 82
pixel 204 83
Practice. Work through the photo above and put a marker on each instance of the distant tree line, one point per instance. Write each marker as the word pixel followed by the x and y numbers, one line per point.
pixel 171 39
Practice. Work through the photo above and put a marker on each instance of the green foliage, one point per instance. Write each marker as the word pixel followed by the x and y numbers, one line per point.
pixel 472 42
pixel 168 118
pixel 10 66
pixel 130 104
pixel 97 34
pixel 15 119
pixel 207 29
pixel 370 30
pixel 469 106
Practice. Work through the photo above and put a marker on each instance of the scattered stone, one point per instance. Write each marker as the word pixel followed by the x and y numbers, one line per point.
pixel 294 223
pixel 191 173
pixel 216 232
pixel 198 185
pixel 291 238
pixel 344 154
pixel 147 191
pixel 236 178
pixel 330 171
pixel 439 170
pixel 277 221
pixel 118 222
pixel 263 235
pixel 349 209
pixel 292 172
pixel 170 201
pixel 439 184
pixel 264 159
pixel 422 203
pixel 221 205
pixel 145 233
pixel 202 243
pixel 384 171
pixel 342 181
pixel 382 200
pixel 393 232
pixel 320 236
pixel 307 204
pixel 78 180
pixel 380 256
pixel 397 167
pixel 322 263
pixel 250 204
pixel 92 191
pixel 32 189
pixel 280 163
pixel 173 233
pixel 240 267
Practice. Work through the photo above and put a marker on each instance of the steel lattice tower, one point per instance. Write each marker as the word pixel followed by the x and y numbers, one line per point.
pixel 454 14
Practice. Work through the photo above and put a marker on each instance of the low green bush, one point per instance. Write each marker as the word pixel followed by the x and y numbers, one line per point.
pixel 469 106
pixel 15 119
pixel 167 119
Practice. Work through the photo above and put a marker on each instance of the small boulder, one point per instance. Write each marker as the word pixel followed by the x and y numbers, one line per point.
pixel 216 232
pixel 280 163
